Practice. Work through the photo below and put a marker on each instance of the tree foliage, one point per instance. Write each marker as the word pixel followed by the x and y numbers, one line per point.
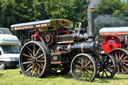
pixel 111 13
pixel 19 11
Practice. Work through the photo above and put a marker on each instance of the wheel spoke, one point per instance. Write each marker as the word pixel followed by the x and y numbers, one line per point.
pixel 109 70
pixel 40 56
pixel 30 54
pixel 126 57
pixel 29 59
pixel 120 57
pixel 82 76
pixel 28 65
pixel 29 68
pixel 116 55
pixel 122 70
pixel 39 65
pixel 118 69
pixel 124 67
pixel 26 55
pixel 34 49
pixel 106 74
pixel 29 49
pixel 89 62
pixel 108 66
pixel 27 62
pixel 38 70
pixel 42 64
pixel 34 71
pixel 77 66
pixel 40 61
pixel 124 61
pixel 99 71
pixel 37 51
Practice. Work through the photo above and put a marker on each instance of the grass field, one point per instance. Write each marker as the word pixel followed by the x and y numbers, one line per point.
pixel 13 77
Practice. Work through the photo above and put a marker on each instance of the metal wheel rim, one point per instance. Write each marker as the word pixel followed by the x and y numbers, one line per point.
pixel 35 63
pixel 106 67
pixel 83 68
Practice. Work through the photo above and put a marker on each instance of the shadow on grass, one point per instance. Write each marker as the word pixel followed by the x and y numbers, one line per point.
pixel 119 78
pixel 69 76
pixel 66 76
pixel 97 80
pixel 107 80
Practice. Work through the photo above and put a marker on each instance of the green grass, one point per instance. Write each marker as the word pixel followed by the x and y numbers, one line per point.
pixel 13 77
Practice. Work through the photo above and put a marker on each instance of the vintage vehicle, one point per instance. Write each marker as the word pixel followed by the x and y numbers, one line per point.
pixel 55 48
pixel 9 49
pixel 116 43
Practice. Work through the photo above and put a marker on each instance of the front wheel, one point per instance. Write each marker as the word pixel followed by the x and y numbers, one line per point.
pixel 83 67
pixel 106 66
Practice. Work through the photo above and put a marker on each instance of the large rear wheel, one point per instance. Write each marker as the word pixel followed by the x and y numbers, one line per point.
pixel 121 57
pixel 83 67
pixel 35 59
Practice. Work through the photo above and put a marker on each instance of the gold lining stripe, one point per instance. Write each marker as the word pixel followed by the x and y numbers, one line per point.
pixel 70 41
pixel 91 10
pixel 82 49
pixel 65 35
pixel 114 33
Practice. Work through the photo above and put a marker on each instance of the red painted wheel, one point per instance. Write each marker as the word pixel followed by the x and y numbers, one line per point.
pixel 121 57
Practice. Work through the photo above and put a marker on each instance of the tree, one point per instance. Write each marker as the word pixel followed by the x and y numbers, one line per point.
pixel 111 13
pixel 28 10
pixel 59 8
pixel 80 12
pixel 7 16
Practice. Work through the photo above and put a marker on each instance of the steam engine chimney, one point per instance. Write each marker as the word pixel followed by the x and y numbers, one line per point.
pixel 91 10
pixel 90 29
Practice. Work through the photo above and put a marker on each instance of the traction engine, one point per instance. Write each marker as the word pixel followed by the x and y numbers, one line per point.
pixel 56 49
pixel 116 43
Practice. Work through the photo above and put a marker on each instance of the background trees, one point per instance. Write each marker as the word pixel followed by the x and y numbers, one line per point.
pixel 18 11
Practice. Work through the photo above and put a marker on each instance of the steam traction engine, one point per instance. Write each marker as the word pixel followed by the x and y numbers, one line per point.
pixel 116 43
pixel 55 49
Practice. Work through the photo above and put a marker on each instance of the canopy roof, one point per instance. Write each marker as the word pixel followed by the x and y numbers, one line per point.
pixel 52 24
pixel 114 31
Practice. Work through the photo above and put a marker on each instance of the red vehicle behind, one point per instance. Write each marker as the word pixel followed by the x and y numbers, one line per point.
pixel 116 43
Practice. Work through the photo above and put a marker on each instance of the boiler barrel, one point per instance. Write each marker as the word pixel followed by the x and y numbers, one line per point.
pixel 83 47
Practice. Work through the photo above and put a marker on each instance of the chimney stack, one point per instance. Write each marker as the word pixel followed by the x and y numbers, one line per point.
pixel 91 9
pixel 90 29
